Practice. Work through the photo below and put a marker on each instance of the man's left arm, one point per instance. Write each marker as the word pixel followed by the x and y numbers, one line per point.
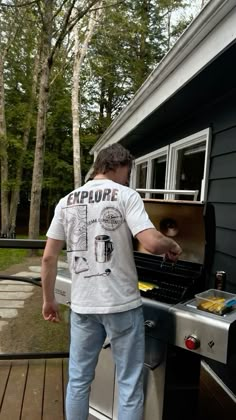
pixel 52 250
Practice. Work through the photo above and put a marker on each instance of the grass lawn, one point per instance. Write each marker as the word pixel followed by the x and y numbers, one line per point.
pixel 12 256
pixel 28 331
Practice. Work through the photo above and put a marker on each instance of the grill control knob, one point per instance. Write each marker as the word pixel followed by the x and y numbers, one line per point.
pixel 150 323
pixel 192 342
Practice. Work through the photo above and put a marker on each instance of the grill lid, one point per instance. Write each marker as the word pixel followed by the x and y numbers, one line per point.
pixel 181 220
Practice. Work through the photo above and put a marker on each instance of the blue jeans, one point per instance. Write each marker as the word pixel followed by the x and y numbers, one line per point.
pixel 125 331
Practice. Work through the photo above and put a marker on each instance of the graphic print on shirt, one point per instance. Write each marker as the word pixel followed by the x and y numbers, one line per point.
pixel 103 248
pixel 80 264
pixel 107 272
pixel 80 241
pixel 76 220
pixel 111 218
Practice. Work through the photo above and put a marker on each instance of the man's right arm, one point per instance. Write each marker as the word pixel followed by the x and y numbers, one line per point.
pixel 144 230
pixel 156 243
pixel 48 277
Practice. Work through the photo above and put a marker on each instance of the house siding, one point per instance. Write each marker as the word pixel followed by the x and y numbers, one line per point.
pixel 207 101
pixel 220 115
pixel 222 194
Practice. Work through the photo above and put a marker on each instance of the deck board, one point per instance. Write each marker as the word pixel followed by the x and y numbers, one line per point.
pixel 33 397
pixel 5 368
pixel 14 391
pixel 35 390
pixel 54 395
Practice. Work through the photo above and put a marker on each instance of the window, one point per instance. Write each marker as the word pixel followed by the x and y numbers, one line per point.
pixel 141 175
pixel 190 167
pixel 150 172
pixel 182 165
pixel 158 175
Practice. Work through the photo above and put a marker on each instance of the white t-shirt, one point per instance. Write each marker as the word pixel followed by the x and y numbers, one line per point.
pixel 97 222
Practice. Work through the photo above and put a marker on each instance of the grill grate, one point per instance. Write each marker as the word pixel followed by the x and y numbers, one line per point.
pixel 175 282
pixel 182 269
pixel 167 292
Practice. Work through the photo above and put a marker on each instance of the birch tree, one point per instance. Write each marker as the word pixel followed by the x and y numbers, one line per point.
pixel 48 15
pixel 80 50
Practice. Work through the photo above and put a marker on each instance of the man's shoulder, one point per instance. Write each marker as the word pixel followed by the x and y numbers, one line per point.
pixel 130 192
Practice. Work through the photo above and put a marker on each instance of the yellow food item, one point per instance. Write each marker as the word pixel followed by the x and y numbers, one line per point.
pixel 213 304
pixel 145 286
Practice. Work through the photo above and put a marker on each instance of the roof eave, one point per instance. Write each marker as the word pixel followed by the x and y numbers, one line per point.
pixel 204 28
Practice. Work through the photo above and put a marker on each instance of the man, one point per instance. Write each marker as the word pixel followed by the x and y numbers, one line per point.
pixel 97 222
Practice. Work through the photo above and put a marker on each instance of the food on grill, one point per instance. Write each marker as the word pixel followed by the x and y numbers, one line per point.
pixel 145 286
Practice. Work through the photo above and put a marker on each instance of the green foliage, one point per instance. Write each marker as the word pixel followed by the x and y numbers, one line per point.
pixel 131 39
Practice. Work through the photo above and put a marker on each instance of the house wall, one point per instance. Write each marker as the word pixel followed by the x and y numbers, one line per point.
pixel 222 193
pixel 220 115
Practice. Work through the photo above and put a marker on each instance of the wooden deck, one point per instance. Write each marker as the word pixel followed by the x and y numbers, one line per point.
pixel 32 389
pixel 35 389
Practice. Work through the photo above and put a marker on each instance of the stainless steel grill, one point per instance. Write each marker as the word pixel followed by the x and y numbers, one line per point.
pixel 177 332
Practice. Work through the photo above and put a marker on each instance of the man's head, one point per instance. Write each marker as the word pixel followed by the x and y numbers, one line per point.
pixel 115 162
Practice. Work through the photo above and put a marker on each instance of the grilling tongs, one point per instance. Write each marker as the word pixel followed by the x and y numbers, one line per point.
pixel 166 259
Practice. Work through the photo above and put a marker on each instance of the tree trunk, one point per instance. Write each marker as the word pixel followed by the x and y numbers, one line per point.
pixel 37 179
pixel 4 158
pixel 15 195
pixel 79 56
pixel 102 99
pixel 168 29
pixel 48 53
pixel 75 109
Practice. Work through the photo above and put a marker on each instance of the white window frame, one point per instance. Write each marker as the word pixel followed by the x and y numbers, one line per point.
pixel 171 153
pixel 164 151
pixel 193 140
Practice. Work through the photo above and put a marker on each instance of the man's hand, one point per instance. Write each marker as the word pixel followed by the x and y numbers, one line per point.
pixel 174 253
pixel 50 311
pixel 156 243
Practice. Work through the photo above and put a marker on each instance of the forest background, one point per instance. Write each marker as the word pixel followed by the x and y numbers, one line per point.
pixel 67 68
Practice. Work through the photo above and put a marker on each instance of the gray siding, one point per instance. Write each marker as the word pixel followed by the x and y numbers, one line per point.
pixel 220 115
pixel 225 140
pixel 222 190
pixel 222 194
pixel 209 100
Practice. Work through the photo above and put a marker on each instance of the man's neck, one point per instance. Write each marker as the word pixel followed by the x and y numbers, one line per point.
pixel 107 175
